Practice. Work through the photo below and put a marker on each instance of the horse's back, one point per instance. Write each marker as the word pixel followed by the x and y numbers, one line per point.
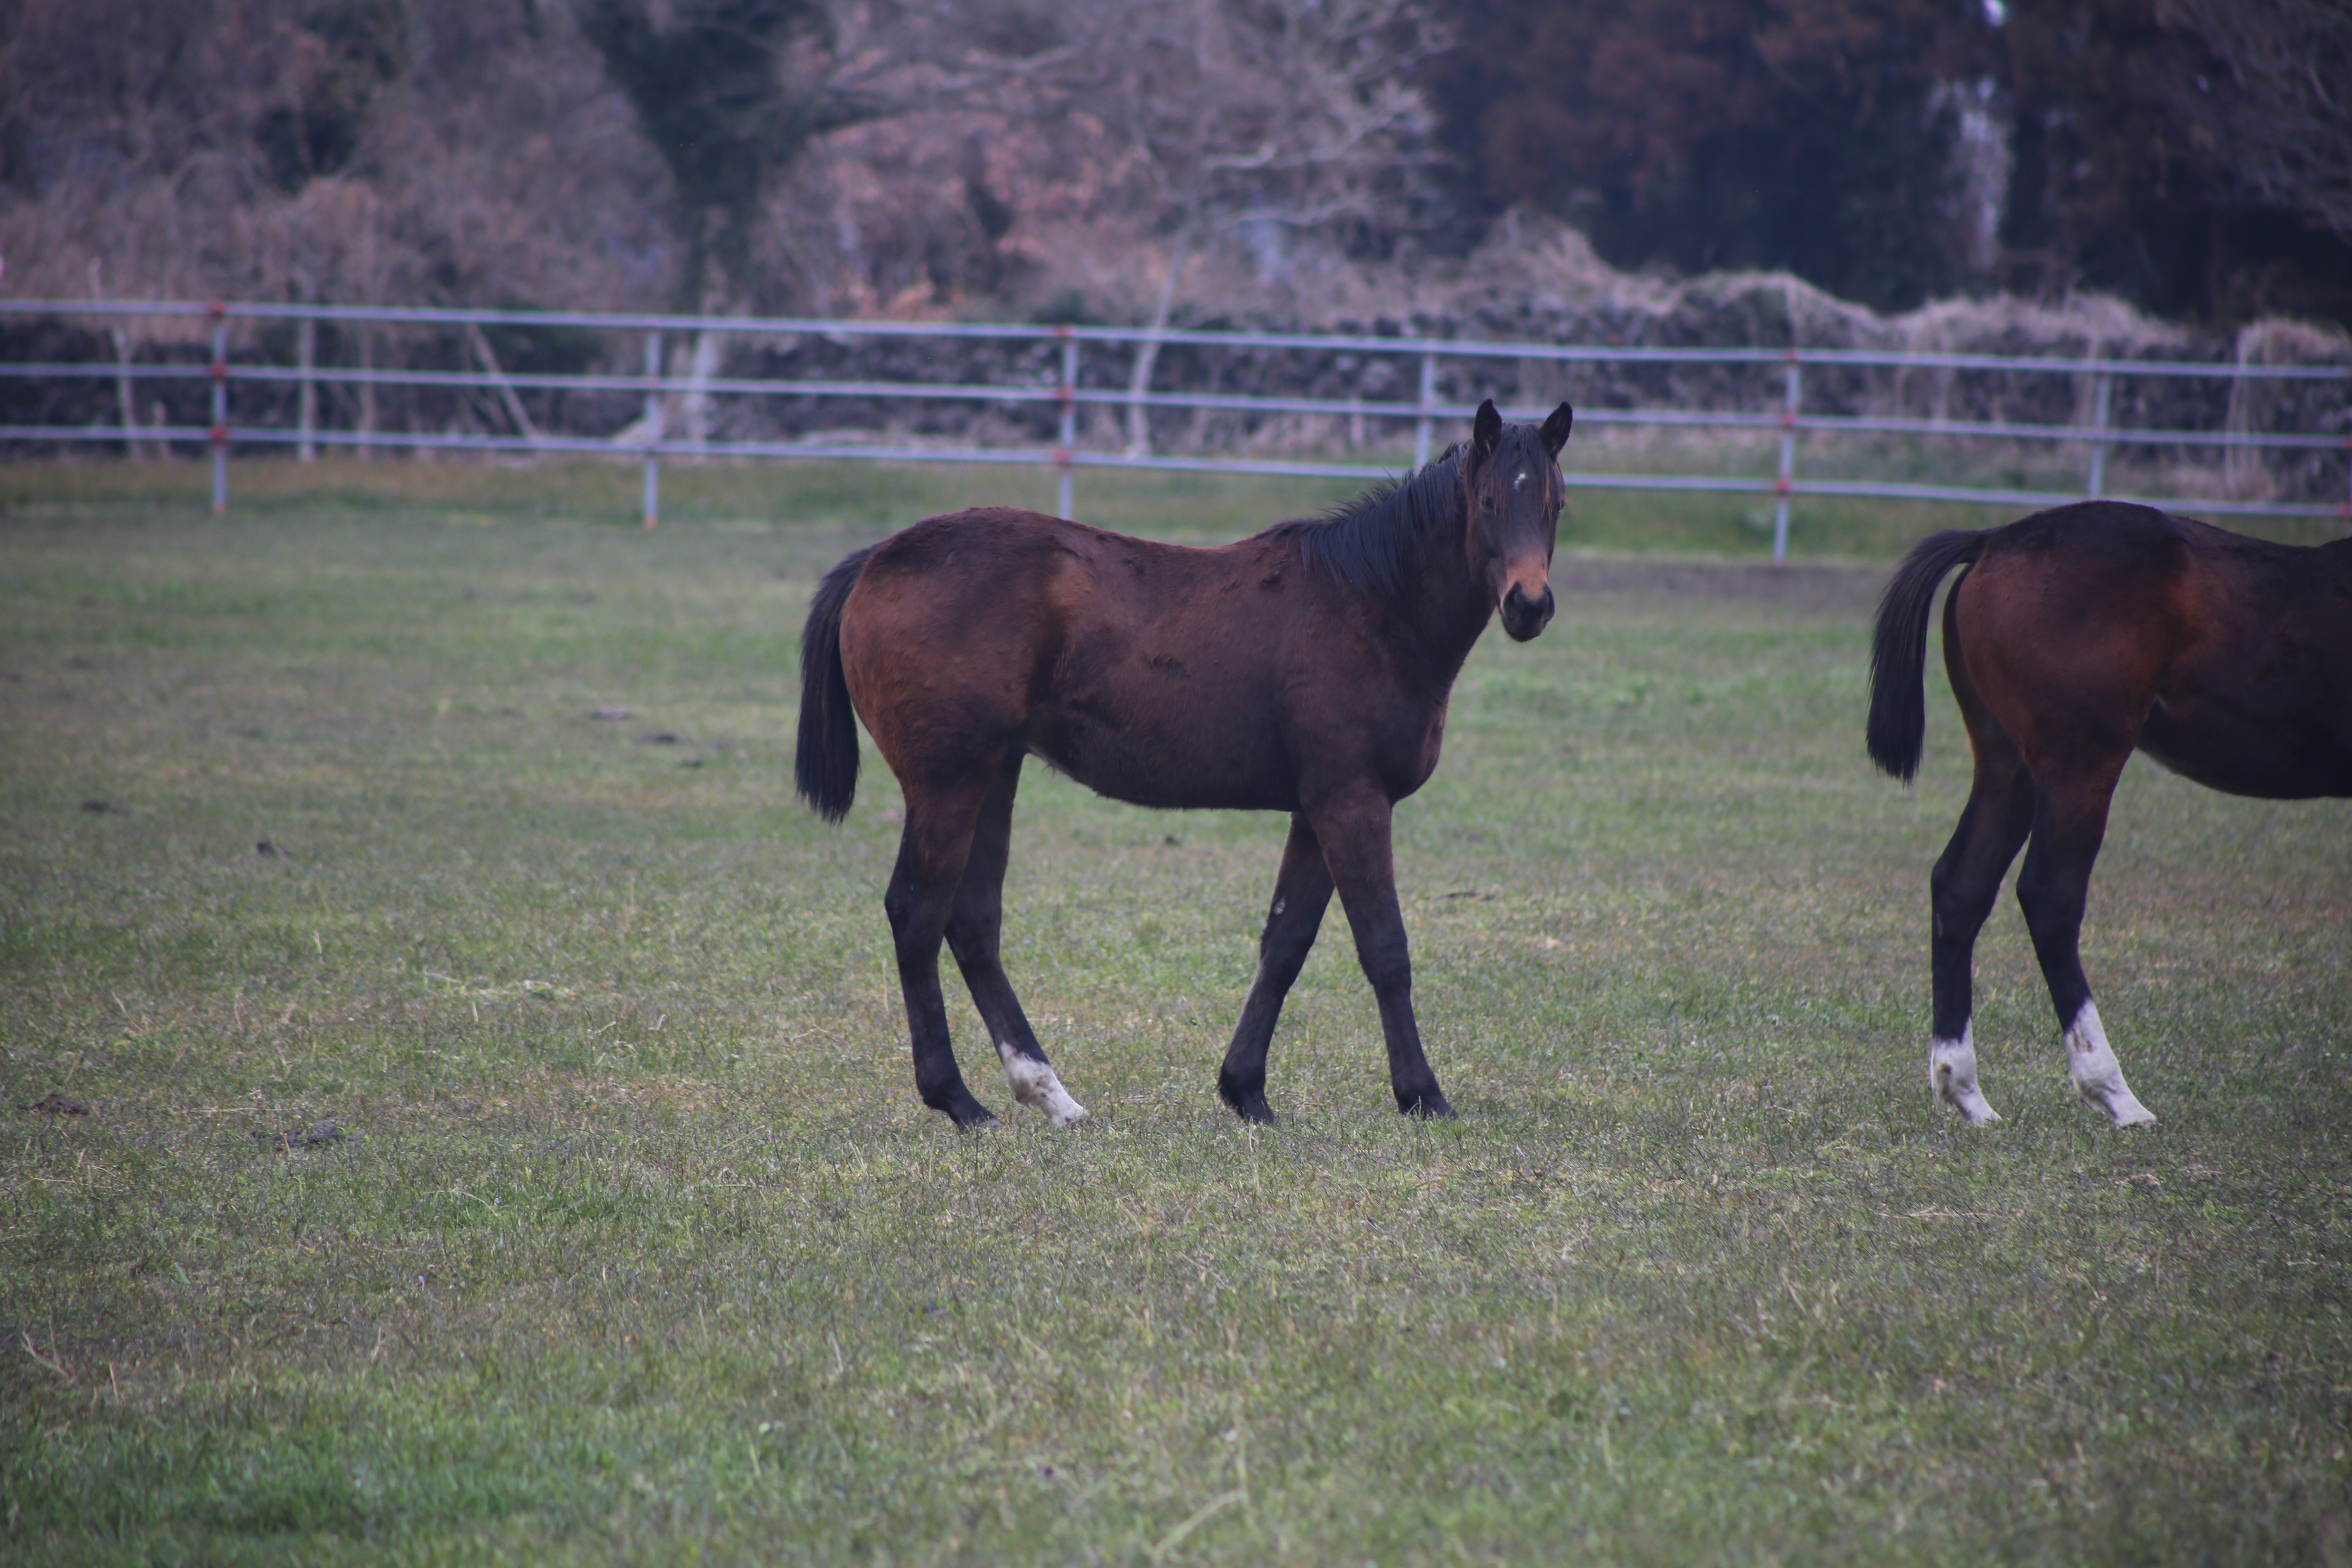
pixel 2108 625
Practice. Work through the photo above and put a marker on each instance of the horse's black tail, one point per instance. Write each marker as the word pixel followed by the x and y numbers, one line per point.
pixel 1898 648
pixel 825 763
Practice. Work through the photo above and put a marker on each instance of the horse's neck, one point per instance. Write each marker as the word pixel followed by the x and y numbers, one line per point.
pixel 1446 603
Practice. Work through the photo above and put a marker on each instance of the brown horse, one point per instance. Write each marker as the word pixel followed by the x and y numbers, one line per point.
pixel 1305 669
pixel 2074 636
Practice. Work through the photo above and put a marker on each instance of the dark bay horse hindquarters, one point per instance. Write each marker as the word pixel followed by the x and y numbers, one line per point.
pixel 1304 670
pixel 2072 638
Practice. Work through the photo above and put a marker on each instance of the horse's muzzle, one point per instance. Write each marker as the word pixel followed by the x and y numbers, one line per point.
pixel 1523 617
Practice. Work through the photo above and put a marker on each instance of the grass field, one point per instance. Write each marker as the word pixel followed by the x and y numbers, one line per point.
pixel 639 1248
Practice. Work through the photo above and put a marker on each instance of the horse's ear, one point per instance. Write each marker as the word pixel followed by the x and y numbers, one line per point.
pixel 1486 430
pixel 1554 434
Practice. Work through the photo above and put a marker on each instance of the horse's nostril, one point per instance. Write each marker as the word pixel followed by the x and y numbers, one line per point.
pixel 1523 617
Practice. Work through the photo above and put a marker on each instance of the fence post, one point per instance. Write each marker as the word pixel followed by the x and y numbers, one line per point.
pixel 2102 395
pixel 1428 409
pixel 1066 394
pixel 305 350
pixel 652 428
pixel 1793 394
pixel 220 408
pixel 364 448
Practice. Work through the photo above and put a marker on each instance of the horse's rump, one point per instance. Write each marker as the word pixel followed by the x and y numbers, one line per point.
pixel 2107 626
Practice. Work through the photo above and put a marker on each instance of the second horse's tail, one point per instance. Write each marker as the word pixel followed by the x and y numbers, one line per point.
pixel 1898 648
pixel 824 762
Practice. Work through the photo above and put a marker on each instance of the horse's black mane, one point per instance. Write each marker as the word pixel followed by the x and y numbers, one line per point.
pixel 1373 542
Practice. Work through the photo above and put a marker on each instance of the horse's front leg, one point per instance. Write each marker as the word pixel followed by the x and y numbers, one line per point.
pixel 1301 893
pixel 2069 821
pixel 1354 831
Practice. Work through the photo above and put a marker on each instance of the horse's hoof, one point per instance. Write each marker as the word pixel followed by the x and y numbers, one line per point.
pixel 1253 1110
pixel 967 1114
pixel 1430 1107
pixel 1952 1071
pixel 1248 1103
pixel 1036 1086
pixel 2123 1106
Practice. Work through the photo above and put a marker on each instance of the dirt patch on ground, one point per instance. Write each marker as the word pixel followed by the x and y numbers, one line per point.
pixel 1799 585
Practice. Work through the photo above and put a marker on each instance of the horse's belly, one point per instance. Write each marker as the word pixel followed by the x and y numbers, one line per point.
pixel 1172 757
pixel 2279 760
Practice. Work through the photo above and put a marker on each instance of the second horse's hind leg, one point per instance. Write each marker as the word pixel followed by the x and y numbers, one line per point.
pixel 932 853
pixel 1962 890
pixel 973 926
pixel 1301 893
pixel 2069 821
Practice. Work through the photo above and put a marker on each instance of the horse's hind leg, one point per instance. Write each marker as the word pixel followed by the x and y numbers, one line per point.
pixel 1967 880
pixel 973 926
pixel 2069 821
pixel 1302 891
pixel 1963 889
pixel 932 854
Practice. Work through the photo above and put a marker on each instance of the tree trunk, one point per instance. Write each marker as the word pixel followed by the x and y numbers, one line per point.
pixel 1147 354
pixel 132 448
pixel 703 362
pixel 505 388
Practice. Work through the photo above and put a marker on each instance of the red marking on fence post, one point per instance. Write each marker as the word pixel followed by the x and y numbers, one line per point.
pixel 1065 398
pixel 218 311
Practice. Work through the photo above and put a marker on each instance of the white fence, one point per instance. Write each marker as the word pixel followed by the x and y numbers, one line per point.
pixel 1113 352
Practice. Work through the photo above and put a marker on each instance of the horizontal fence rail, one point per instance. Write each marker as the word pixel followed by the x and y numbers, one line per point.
pixel 1057 390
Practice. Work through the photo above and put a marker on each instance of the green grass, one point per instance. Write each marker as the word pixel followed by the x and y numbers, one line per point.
pixel 642 1250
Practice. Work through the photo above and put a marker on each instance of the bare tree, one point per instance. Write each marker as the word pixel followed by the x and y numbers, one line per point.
pixel 1289 116
pixel 392 153
pixel 728 154
pixel 2271 98
pixel 727 92
pixel 1272 117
